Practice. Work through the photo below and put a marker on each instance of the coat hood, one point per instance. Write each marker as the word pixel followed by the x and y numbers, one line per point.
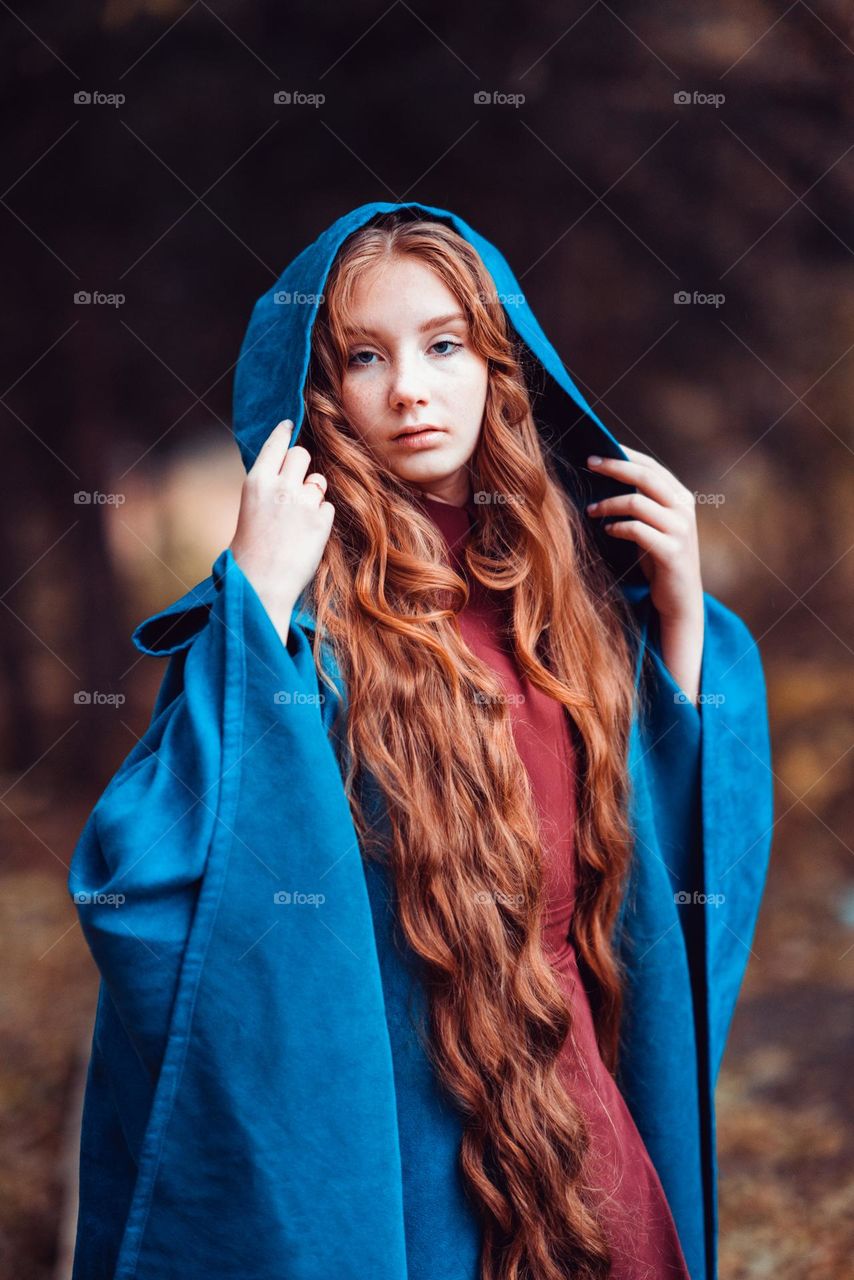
pixel 275 354
pixel 270 380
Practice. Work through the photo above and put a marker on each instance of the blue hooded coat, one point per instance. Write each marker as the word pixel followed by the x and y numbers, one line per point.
pixel 258 1102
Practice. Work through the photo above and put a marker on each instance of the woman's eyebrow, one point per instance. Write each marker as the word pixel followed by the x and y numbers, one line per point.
pixel 437 322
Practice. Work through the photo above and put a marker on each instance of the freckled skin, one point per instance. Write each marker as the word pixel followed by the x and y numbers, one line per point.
pixel 400 376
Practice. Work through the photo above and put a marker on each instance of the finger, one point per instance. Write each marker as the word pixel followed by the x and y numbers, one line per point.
pixel 635 504
pixel 657 544
pixel 646 459
pixel 663 487
pixel 314 488
pixel 295 465
pixel 273 450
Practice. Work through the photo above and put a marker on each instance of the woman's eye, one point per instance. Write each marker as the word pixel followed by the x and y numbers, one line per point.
pixel 363 359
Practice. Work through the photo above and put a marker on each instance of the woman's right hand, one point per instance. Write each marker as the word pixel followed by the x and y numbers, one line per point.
pixel 283 524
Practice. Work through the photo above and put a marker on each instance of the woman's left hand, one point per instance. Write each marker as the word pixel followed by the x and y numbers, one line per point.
pixel 664 526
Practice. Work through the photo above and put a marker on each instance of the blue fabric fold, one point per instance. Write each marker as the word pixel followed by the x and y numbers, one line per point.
pixel 243 970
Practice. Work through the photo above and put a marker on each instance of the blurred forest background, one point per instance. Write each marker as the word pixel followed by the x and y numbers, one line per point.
pixel 659 148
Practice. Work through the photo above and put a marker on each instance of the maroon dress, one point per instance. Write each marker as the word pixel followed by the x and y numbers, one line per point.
pixel 636 1215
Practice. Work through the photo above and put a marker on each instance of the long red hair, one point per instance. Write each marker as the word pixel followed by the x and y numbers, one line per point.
pixel 428 724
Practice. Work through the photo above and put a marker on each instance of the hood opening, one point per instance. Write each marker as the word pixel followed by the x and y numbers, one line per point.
pixel 569 444
pixel 275 355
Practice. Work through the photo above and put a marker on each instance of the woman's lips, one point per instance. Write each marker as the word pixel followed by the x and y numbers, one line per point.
pixel 420 439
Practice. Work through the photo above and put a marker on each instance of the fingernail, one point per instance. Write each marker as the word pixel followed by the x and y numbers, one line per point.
pixel 591 506
pixel 594 460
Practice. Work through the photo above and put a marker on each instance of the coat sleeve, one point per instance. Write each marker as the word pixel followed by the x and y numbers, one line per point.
pixel 223 896
pixel 708 768
pixel 702 823
pixel 138 863
pixel 736 817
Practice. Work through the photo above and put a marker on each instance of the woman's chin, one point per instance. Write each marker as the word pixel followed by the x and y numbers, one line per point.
pixel 436 463
pixel 424 466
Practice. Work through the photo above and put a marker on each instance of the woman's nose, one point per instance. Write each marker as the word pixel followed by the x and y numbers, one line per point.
pixel 408 385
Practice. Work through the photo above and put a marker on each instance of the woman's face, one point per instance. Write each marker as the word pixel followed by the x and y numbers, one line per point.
pixel 411 363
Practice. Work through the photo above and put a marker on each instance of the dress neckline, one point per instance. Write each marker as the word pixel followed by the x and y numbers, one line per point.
pixel 453 522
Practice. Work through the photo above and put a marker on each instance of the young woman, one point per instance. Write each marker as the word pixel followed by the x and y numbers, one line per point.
pixel 464 780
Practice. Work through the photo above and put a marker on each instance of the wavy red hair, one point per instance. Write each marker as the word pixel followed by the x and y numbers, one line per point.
pixel 427 723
